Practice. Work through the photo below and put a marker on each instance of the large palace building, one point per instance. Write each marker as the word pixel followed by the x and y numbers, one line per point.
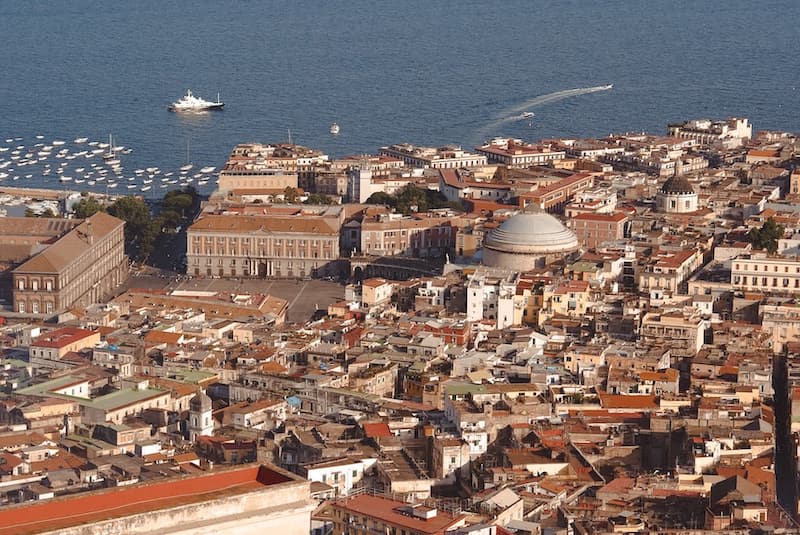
pixel 259 246
pixel 84 265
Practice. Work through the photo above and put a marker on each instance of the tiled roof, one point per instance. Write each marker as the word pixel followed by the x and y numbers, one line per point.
pixel 262 224
pixel 61 337
pixel 377 430
pixel 84 508
pixel 72 245
pixel 392 512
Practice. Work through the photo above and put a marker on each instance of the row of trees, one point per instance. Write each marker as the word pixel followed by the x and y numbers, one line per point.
pixel 412 199
pixel 143 227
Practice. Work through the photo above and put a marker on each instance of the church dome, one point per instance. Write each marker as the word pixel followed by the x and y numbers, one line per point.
pixel 528 240
pixel 677 185
pixel 532 232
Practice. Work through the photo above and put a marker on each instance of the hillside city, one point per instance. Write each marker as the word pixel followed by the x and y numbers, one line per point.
pixel 566 336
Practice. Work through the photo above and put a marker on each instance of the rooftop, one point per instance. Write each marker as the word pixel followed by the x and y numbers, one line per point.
pixel 84 508
pixel 394 512
pixel 62 337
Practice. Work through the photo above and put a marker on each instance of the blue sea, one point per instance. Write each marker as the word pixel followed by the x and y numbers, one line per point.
pixel 424 72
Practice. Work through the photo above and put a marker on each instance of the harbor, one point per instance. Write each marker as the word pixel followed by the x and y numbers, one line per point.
pixel 95 166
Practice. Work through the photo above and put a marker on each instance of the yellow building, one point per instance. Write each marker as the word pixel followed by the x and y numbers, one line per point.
pixel 566 299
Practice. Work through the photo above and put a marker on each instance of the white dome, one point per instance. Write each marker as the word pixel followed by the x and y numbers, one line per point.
pixel 533 233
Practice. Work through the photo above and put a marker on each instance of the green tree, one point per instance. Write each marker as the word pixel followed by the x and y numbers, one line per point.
pixel 767 236
pixel 86 207
pixel 140 228
pixel 178 202
pixel 380 197
pixel 319 198
pixel 412 199
pixel 290 194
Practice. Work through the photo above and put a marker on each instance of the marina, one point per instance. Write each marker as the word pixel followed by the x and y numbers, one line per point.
pixel 59 163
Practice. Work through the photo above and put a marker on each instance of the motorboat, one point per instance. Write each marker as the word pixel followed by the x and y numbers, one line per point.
pixel 335 129
pixel 209 169
pixel 528 115
pixel 189 102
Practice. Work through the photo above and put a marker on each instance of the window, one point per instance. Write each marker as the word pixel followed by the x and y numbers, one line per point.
pixel 21 284
pixel 35 285
pixel 22 307
pixel 49 286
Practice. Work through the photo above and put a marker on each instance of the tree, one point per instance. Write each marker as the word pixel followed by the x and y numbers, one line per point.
pixel 412 199
pixel 45 213
pixel 380 197
pixel 87 207
pixel 290 194
pixel 140 228
pixel 318 198
pixel 767 236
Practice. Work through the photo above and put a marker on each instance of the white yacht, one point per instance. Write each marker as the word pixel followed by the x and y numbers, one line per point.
pixel 189 102
pixel 335 128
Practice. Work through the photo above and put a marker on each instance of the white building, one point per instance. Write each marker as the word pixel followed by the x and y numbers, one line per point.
pixel 448 157
pixel 761 273
pixel 731 133
pixel 359 183
pixel 342 474
pixel 517 153
pixel 491 297
pixel 677 196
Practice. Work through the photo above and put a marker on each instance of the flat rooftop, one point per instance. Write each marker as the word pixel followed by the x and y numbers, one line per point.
pixel 107 504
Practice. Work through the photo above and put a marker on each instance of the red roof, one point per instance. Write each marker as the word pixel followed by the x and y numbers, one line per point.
pixel 610 401
pixel 392 512
pixel 61 513
pixel 615 217
pixel 62 337
pixel 377 430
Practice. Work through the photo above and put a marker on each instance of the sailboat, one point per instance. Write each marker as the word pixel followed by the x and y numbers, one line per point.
pixel 111 157
pixel 188 165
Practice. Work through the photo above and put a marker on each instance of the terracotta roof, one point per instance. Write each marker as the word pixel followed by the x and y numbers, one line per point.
pixel 70 246
pixel 253 224
pixel 615 217
pixel 392 512
pixel 61 337
pixel 374 283
pixel 769 153
pixel 611 401
pixel 162 337
pixel 84 508
pixel 377 430
pixel 47 227
pixel 21 439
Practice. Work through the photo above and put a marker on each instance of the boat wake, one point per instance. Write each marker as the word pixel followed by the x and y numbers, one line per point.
pixel 515 113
